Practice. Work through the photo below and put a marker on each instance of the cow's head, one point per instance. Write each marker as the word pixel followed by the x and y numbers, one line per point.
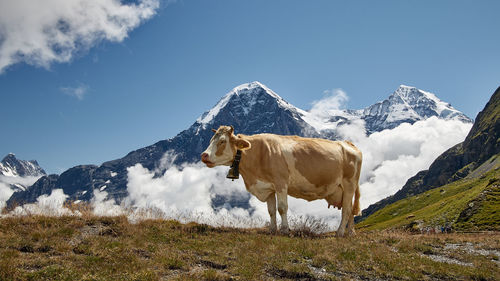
pixel 222 147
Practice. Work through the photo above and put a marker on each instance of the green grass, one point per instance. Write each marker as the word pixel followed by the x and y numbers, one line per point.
pixel 443 205
pixel 102 248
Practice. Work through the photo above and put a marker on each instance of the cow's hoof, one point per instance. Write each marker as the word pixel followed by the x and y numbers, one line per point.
pixel 284 230
pixel 340 233
pixel 273 230
pixel 351 232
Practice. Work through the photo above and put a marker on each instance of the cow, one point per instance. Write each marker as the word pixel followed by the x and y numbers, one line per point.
pixel 275 166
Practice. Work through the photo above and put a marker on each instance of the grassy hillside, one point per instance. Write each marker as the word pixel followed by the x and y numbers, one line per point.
pixel 104 248
pixel 472 203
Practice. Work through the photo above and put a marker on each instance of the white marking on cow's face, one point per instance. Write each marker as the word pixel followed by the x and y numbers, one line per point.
pixel 219 151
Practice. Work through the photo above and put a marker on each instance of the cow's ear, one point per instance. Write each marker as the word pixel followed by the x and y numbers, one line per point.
pixel 214 130
pixel 242 144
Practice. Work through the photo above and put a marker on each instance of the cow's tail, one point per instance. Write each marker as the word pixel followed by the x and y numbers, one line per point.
pixel 356 210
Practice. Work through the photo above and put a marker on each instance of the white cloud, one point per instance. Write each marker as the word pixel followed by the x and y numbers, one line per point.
pixel 5 193
pixel 105 207
pixel 42 32
pixel 5 186
pixel 333 101
pixel 185 193
pixel 49 205
pixel 77 92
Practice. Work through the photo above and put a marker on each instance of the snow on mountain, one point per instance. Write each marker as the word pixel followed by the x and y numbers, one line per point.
pixel 13 167
pixel 254 108
pixel 407 105
pixel 247 96
pixel 17 175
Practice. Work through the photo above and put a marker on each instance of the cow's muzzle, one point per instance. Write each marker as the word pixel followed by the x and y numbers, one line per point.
pixel 204 159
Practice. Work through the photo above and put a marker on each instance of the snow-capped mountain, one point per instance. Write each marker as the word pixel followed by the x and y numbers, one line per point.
pixel 19 174
pixel 13 167
pixel 407 105
pixel 250 108
pixel 254 108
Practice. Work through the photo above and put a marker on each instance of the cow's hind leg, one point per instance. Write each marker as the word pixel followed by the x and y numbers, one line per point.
pixel 355 209
pixel 350 225
pixel 283 209
pixel 348 192
pixel 271 208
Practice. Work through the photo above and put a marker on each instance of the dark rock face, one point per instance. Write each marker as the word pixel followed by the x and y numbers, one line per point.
pixel 76 182
pixel 482 142
pixel 11 166
pixel 44 185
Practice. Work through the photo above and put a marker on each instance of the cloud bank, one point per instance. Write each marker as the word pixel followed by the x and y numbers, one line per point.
pixel 42 32
pixel 48 205
pixel 185 192
pixel 333 101
pixel 391 157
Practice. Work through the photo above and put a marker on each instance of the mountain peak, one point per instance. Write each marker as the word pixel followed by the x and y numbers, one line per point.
pixel 408 104
pixel 11 166
pixel 244 97
pixel 251 85
pixel 411 94
pixel 406 92
pixel 9 157
pixel 404 87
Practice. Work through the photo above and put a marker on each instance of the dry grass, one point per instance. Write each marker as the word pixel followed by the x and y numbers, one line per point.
pixel 111 248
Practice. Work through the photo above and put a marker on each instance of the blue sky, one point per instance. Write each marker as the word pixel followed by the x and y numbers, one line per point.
pixel 114 96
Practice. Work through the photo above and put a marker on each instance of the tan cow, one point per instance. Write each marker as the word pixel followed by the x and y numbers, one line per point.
pixel 274 166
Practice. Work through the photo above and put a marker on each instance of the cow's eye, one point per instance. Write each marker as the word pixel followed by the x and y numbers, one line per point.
pixel 222 142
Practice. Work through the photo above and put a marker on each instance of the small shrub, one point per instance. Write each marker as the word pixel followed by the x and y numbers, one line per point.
pixel 348 255
pixel 173 263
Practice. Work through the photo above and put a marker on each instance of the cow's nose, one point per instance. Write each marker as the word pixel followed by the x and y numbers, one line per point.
pixel 204 157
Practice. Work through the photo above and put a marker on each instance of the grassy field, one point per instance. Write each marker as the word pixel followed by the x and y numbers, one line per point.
pixel 111 248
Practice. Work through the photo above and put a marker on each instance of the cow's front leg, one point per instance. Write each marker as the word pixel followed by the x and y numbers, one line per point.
pixel 282 209
pixel 271 208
